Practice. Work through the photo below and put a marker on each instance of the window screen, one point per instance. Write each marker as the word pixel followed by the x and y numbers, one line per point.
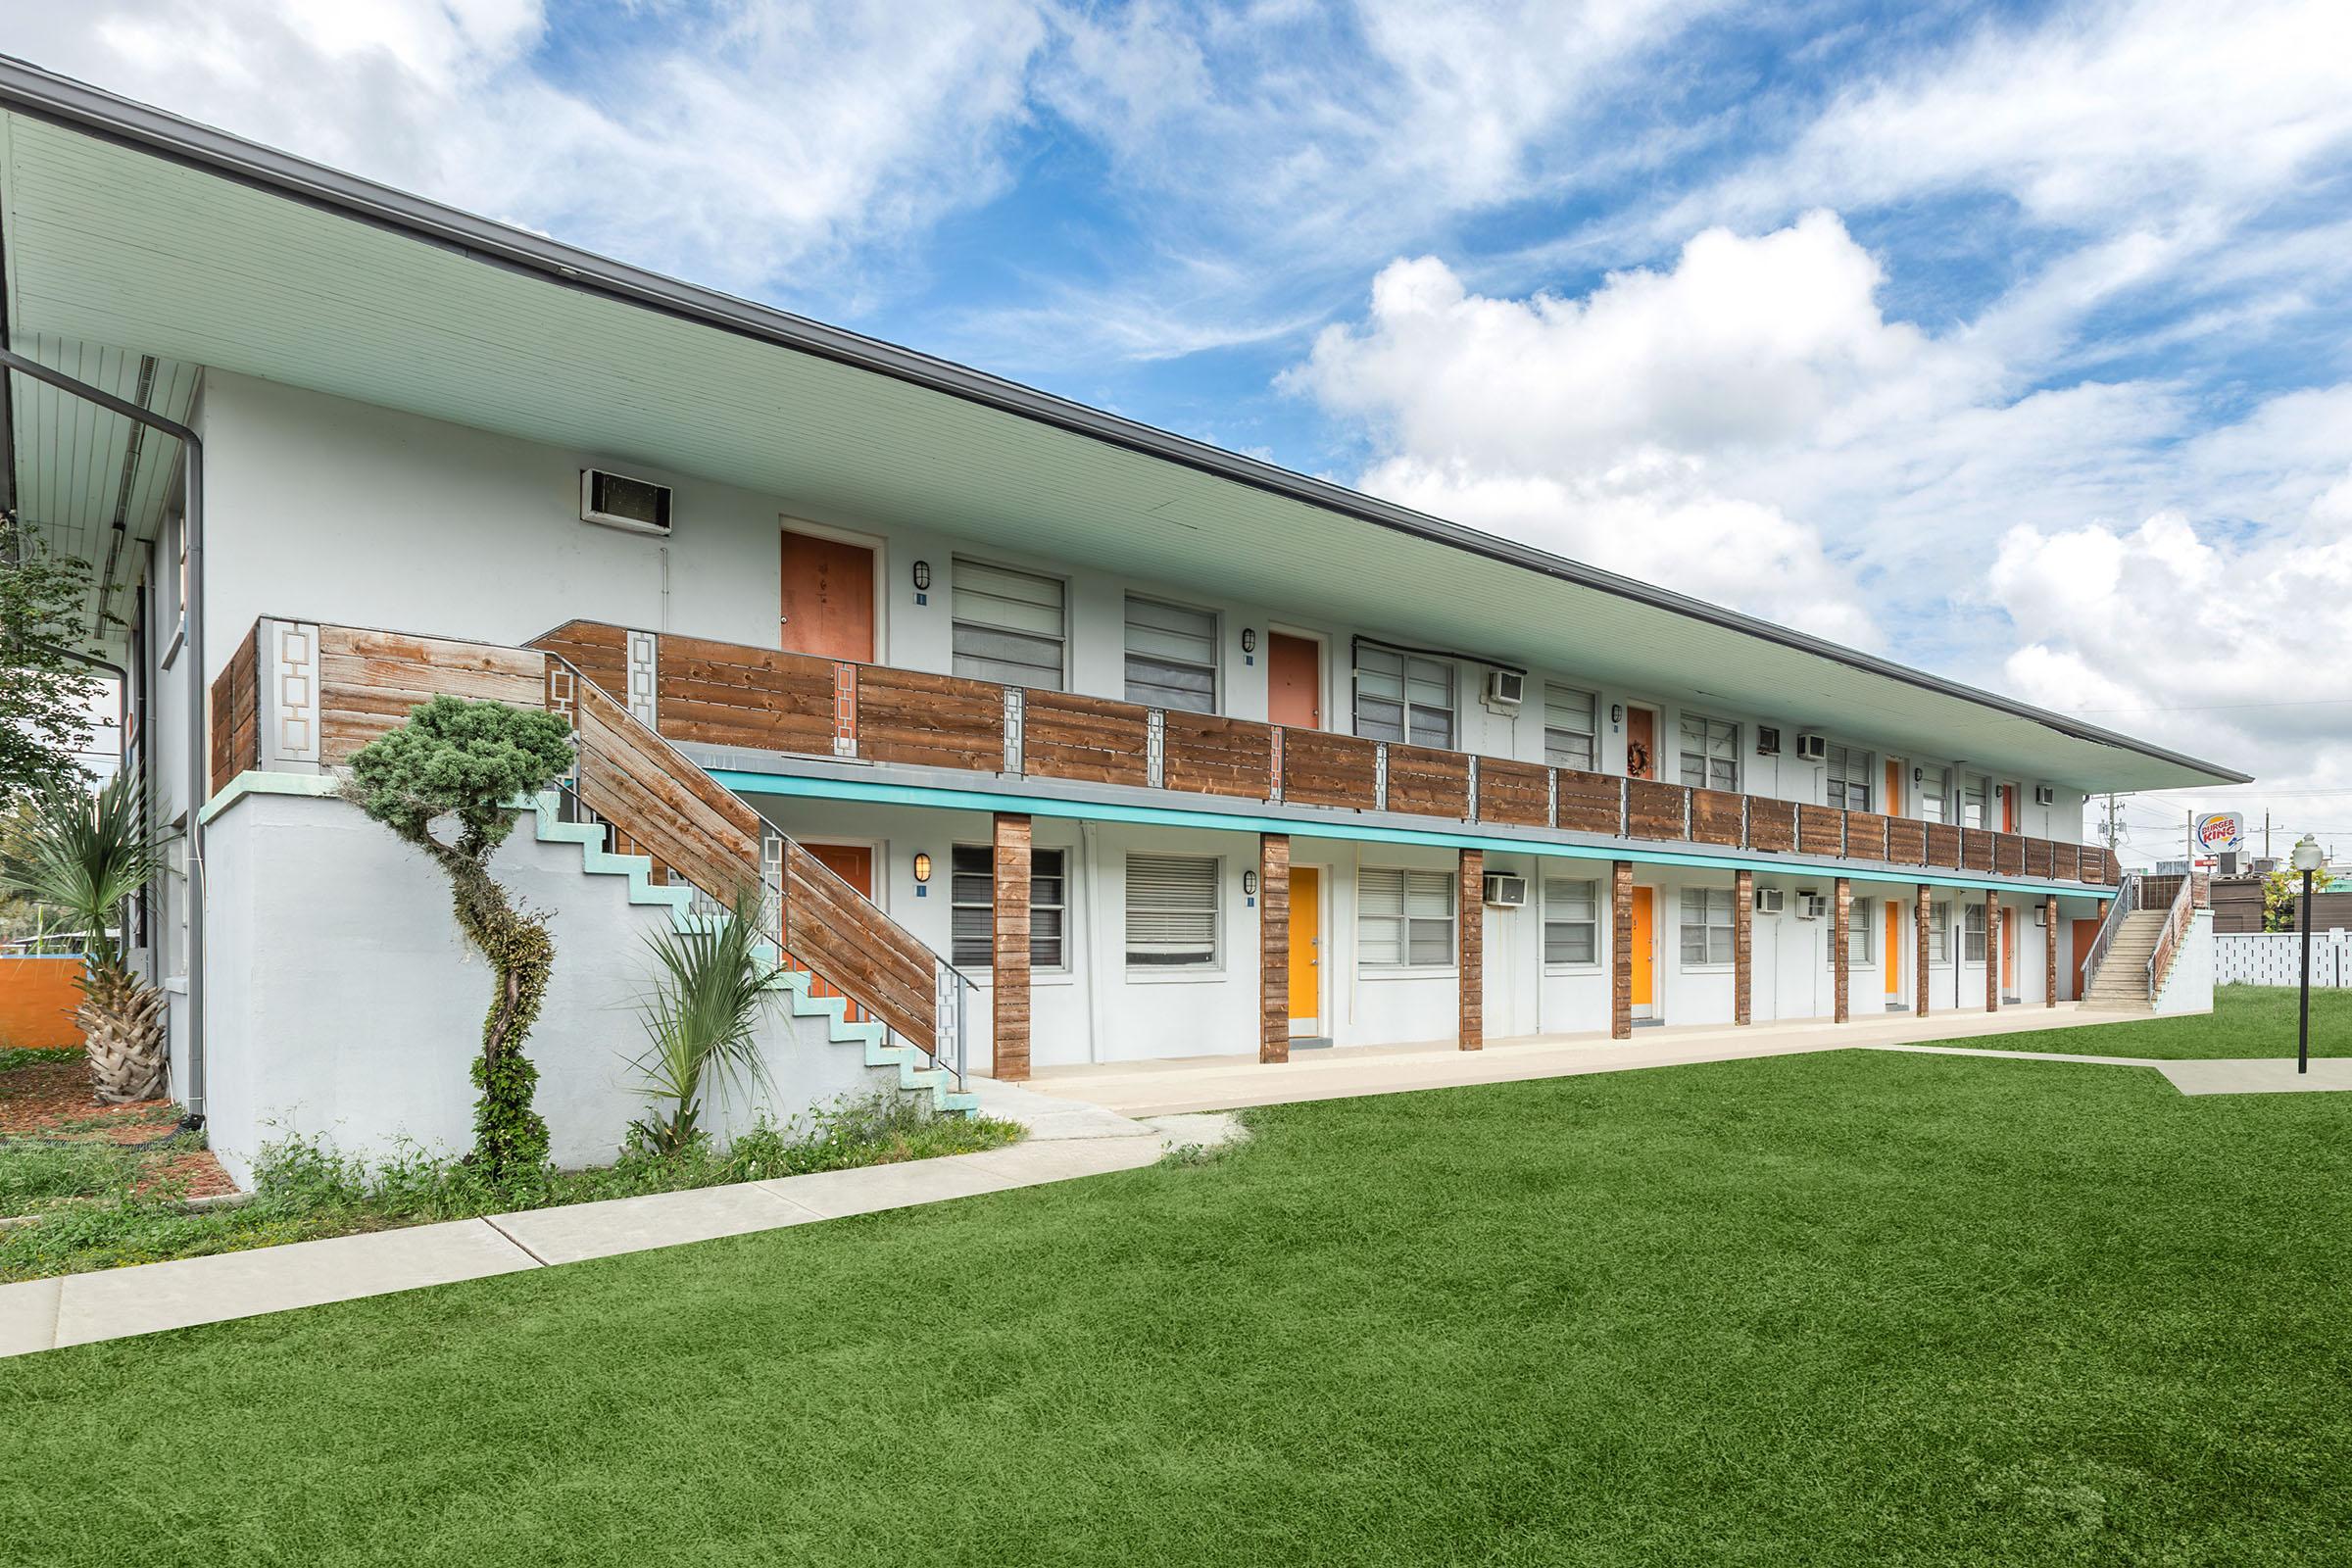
pixel 1571 920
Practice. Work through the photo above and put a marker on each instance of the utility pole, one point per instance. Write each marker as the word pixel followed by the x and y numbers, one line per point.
pixel 2266 835
pixel 2114 823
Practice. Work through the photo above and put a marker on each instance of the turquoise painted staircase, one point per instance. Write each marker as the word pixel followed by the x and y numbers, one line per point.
pixel 915 1074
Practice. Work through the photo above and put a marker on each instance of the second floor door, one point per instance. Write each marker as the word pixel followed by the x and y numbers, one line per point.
pixel 1294 681
pixel 828 598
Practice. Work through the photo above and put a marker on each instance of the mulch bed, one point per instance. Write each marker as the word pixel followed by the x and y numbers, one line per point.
pixel 52 1101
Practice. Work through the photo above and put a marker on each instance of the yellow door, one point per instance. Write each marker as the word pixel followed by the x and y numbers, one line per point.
pixel 1894 946
pixel 1645 995
pixel 1307 950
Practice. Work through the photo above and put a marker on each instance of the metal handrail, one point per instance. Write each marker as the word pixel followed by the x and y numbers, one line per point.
pixel 2170 943
pixel 2125 901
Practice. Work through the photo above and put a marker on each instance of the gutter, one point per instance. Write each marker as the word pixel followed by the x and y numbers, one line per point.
pixel 198 734
pixel 57 100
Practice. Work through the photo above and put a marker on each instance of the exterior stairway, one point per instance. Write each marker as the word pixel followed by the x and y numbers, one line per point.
pixel 2121 981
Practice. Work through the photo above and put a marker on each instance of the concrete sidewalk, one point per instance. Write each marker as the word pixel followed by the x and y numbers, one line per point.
pixel 1063 1142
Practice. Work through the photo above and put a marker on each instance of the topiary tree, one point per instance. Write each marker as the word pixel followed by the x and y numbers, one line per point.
pixel 470 763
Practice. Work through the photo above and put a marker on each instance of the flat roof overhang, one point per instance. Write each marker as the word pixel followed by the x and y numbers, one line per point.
pixel 128 228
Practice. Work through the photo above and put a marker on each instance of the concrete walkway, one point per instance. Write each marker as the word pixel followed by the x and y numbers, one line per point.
pixel 1063 1142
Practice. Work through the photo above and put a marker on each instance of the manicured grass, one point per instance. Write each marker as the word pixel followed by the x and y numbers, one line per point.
pixel 1858 1307
pixel 2246 1021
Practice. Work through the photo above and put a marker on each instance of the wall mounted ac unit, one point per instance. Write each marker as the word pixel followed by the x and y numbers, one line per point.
pixel 1768 740
pixel 1812 749
pixel 620 502
pixel 1811 905
pixel 1505 688
pixel 1770 900
pixel 1504 891
pixel 2045 795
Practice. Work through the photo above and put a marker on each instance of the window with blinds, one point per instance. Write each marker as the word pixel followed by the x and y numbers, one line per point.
pixel 1850 778
pixel 1975 790
pixel 1859 926
pixel 1171 911
pixel 1934 794
pixel 1402 696
pixel 1939 933
pixel 1403 919
pixel 1171 656
pixel 1707 924
pixel 1972 933
pixel 1008 627
pixel 1568 729
pixel 1571 920
pixel 1711 754
pixel 973 908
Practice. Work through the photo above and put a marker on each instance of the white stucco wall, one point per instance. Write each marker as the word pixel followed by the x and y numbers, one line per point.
pixel 347 1007
pixel 2189 986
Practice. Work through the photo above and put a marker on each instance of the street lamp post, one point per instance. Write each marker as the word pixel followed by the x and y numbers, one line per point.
pixel 2307 859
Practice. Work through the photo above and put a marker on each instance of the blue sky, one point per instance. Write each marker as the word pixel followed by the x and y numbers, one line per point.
pixel 2007 339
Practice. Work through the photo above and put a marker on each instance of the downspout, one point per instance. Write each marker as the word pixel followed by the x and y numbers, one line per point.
pixel 192 446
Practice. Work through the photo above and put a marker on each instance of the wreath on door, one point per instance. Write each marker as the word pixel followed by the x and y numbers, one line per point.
pixel 1636 758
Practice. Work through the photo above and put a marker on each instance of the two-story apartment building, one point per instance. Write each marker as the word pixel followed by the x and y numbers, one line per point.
pixel 1076 739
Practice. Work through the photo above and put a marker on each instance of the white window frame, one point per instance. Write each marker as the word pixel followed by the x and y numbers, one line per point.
pixel 1858 934
pixel 1554 889
pixel 1975 794
pixel 1409 667
pixel 1972 932
pixel 1399 955
pixel 1844 770
pixel 1214 667
pixel 1060 964
pixel 1708 731
pixel 1210 963
pixel 1708 901
pixel 957 623
pixel 1936 794
pixel 1589 738
pixel 1939 934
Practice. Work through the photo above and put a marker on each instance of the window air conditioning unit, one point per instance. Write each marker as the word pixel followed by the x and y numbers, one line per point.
pixel 1506 688
pixel 620 502
pixel 1770 900
pixel 1811 905
pixel 1768 740
pixel 2045 795
pixel 1812 749
pixel 1505 891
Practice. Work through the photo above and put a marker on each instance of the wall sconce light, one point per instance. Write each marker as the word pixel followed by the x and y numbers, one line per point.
pixel 1616 712
pixel 922 577
pixel 1249 639
pixel 1250 883
pixel 923 866
pixel 1919 775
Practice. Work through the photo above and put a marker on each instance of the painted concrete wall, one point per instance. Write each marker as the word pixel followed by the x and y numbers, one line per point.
pixel 2189 986
pixel 346 1006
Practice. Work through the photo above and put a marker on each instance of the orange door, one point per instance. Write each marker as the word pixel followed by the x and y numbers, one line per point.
pixel 854 863
pixel 2008 794
pixel 1645 980
pixel 1294 681
pixel 828 607
pixel 1892 802
pixel 1640 742
pixel 1894 946
pixel 2009 952
pixel 1307 951
pixel 2086 933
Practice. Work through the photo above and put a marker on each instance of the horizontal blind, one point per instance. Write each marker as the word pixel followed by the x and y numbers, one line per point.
pixel 1171 656
pixel 1403 917
pixel 1009 625
pixel 1171 911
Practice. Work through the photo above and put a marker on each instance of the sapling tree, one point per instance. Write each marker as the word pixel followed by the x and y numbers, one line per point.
pixel 45 694
pixel 469 765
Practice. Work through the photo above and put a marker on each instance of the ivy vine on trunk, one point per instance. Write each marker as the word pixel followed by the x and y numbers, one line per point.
pixel 470 763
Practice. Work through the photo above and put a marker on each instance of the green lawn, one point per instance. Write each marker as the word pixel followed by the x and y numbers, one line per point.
pixel 1859 1308
pixel 2246 1021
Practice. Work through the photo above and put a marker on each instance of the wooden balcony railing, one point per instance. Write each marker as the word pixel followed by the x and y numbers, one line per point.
pixel 308 695
pixel 722 694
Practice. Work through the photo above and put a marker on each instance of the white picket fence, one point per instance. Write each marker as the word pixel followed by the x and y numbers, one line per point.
pixel 2274 958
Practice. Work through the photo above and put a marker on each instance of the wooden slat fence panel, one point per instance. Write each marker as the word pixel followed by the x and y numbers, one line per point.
pixel 1203 754
pixel 1944 845
pixel 597 651
pixel 368 681
pixel 1590 802
pixel 1865 836
pixel 847 942
pixel 1906 841
pixel 1820 830
pixel 728 694
pixel 1513 792
pixel 2008 854
pixel 1717 817
pixel 1428 782
pixel 1654 810
pixel 1322 769
pixel 1088 739
pixel 1975 850
pixel 1772 825
pixel 236 732
pixel 929 720
pixel 2039 857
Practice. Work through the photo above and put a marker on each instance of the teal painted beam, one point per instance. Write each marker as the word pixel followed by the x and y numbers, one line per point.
pixel 953 799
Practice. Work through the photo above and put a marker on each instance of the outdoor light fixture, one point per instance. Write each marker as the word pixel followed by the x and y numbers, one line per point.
pixel 1616 712
pixel 923 866
pixel 1249 639
pixel 2307 859
pixel 1250 883
pixel 922 577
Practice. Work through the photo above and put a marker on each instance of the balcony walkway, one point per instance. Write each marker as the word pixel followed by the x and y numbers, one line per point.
pixel 1224 1083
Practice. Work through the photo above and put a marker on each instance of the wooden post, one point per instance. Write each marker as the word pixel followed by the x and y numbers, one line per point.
pixel 1992 953
pixel 1743 945
pixel 2049 951
pixel 1273 947
pixel 1621 949
pixel 1919 971
pixel 1008 949
pixel 1842 945
pixel 1471 937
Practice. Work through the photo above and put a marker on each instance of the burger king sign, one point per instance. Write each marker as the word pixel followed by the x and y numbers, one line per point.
pixel 2220 833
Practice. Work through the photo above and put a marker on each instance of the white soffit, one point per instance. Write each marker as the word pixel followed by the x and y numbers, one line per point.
pixel 106 244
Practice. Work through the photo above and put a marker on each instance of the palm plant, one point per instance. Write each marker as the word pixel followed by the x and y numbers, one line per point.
pixel 86 854
pixel 701 1021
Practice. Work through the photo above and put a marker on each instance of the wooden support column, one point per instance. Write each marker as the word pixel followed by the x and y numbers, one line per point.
pixel 1919 969
pixel 1841 946
pixel 1743 945
pixel 1621 949
pixel 1471 937
pixel 1008 949
pixel 2049 951
pixel 1273 947
pixel 1992 953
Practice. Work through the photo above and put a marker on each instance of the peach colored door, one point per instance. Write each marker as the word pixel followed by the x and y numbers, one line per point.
pixel 2087 934
pixel 1892 802
pixel 1640 742
pixel 1294 681
pixel 2009 952
pixel 854 863
pixel 828 601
